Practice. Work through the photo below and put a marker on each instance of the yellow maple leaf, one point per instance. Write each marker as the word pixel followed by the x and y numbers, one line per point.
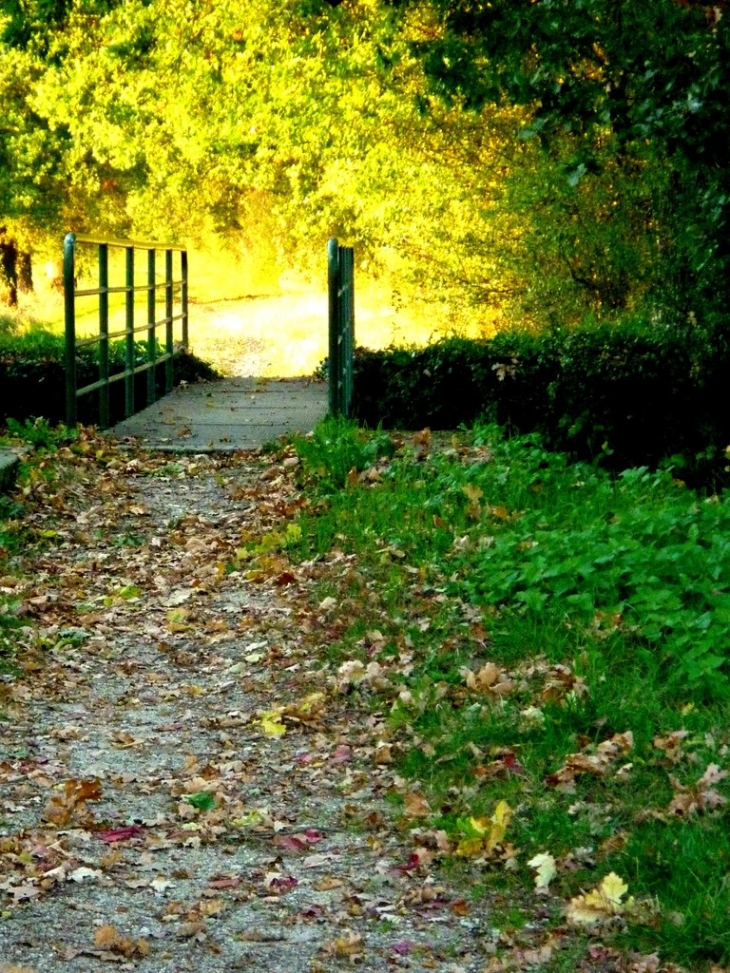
pixel 500 822
pixel 478 827
pixel 271 723
pixel 602 902
pixel 483 835
pixel 470 847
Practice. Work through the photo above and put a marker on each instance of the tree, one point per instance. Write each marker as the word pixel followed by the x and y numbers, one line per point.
pixel 613 84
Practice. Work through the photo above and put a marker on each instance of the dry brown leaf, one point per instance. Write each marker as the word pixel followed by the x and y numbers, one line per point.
pixel 350 945
pixel 599 763
pixel 416 806
pixel 700 798
pixel 108 938
pixel 601 903
pixel 61 809
pixel 485 678
pixel 671 745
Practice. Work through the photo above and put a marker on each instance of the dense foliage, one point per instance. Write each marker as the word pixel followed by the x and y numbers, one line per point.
pixel 616 89
pixel 537 161
pixel 626 395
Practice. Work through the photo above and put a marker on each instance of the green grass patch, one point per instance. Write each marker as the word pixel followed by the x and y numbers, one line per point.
pixel 554 638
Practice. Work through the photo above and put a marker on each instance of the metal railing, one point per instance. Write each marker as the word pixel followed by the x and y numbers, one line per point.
pixel 175 291
pixel 341 285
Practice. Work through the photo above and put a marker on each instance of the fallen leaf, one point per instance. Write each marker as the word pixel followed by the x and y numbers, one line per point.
pixel 350 946
pixel 121 834
pixel 484 835
pixel 203 800
pixel 297 842
pixel 107 938
pixel 416 806
pixel 83 873
pixel 544 864
pixel 271 723
pixel 671 745
pixel 700 798
pixel 601 903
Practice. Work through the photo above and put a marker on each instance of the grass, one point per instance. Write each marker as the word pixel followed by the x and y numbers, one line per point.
pixel 555 639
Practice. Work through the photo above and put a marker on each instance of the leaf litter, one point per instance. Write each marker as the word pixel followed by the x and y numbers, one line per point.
pixel 187 784
pixel 178 786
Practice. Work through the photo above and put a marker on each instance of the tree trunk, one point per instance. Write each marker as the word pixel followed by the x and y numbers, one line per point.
pixel 16 270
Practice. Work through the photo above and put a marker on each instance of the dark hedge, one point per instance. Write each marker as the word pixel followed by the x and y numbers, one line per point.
pixel 32 378
pixel 628 396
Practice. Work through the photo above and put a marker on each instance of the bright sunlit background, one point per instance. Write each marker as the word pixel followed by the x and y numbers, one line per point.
pixel 247 315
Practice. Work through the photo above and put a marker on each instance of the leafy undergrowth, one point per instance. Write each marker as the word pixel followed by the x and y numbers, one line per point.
pixel 550 644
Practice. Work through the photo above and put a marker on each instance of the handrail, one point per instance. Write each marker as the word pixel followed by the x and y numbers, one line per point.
pixel 341 286
pixel 173 288
pixel 137 244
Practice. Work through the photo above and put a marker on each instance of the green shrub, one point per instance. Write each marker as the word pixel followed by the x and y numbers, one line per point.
pixel 626 395
pixel 33 378
pixel 337 448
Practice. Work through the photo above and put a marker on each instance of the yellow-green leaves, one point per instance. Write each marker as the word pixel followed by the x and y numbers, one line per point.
pixel 271 722
pixel 482 836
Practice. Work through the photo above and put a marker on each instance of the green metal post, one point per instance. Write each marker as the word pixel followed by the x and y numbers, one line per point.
pixel 129 355
pixel 104 335
pixel 151 340
pixel 333 365
pixel 184 296
pixel 168 321
pixel 69 288
pixel 348 327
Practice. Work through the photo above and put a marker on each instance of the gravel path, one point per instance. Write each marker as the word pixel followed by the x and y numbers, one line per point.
pixel 153 815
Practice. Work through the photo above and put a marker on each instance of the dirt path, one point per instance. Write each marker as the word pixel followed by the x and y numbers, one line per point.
pixel 181 785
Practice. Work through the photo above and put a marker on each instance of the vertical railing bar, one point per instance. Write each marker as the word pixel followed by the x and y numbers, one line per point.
pixel 342 307
pixel 151 337
pixel 129 356
pixel 184 296
pixel 343 327
pixel 349 332
pixel 168 322
pixel 104 335
pixel 69 301
pixel 333 285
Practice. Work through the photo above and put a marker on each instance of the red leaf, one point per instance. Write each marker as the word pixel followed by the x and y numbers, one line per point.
pixel 285 578
pixel 224 883
pixel 341 755
pixel 298 842
pixel 413 862
pixel 284 884
pixel 122 834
